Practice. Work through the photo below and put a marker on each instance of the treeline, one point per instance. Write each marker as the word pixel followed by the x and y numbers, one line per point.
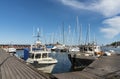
pixel 116 43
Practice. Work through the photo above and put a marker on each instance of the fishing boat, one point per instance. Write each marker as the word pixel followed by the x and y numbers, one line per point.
pixel 91 50
pixel 39 57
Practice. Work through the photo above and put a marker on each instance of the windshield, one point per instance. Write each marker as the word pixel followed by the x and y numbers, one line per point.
pixel 38 56
pixel 31 55
pixel 44 55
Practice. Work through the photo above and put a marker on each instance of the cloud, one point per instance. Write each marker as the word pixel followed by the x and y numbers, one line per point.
pixel 108 8
pixel 112 27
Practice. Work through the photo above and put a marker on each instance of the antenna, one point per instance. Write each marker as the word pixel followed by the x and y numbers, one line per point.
pixel 38 34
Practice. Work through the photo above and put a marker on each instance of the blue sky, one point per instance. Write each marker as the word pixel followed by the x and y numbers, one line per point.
pixel 18 19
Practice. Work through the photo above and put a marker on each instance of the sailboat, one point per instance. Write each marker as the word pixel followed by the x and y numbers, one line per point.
pixel 39 56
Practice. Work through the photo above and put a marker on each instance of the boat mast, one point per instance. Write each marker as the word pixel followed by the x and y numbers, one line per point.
pixel 69 35
pixel 88 35
pixel 80 35
pixel 77 30
pixel 63 34
pixel 95 42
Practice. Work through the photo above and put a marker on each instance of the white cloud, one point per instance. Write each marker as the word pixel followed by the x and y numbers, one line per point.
pixel 112 27
pixel 107 8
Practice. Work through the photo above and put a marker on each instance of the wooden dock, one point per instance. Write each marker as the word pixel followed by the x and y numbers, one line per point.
pixel 14 68
pixel 107 67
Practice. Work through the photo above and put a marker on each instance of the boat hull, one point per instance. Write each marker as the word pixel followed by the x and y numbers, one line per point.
pixel 46 68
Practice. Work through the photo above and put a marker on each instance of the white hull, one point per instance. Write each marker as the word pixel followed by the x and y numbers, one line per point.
pixel 46 65
pixel 11 50
pixel 47 68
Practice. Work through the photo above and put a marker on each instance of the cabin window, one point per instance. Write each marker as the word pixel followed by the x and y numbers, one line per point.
pixel 90 49
pixel 31 55
pixel 44 55
pixel 85 49
pixel 38 56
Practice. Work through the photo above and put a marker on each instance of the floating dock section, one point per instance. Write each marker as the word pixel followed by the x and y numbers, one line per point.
pixel 14 68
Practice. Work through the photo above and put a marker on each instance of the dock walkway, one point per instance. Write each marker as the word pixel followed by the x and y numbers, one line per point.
pixel 14 68
pixel 107 67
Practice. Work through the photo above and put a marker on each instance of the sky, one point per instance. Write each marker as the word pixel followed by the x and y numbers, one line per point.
pixel 19 20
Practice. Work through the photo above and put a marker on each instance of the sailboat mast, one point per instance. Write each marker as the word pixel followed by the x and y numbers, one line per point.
pixel 89 33
pixel 77 30
pixel 69 35
pixel 63 33
pixel 80 35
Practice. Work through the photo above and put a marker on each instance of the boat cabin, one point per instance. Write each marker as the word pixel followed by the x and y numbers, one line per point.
pixel 38 55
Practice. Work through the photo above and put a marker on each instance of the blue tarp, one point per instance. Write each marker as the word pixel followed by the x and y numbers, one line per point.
pixel 26 53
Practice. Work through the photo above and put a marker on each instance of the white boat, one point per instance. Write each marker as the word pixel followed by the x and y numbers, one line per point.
pixel 11 50
pixel 39 57
pixel 59 48
pixel 74 49
pixel 91 50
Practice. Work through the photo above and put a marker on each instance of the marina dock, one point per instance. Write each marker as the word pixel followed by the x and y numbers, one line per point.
pixel 107 67
pixel 14 68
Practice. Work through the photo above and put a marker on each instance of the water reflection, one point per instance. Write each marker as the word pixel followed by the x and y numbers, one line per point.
pixel 63 64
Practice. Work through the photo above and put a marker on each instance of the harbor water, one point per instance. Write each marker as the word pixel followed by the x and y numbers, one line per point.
pixel 63 65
